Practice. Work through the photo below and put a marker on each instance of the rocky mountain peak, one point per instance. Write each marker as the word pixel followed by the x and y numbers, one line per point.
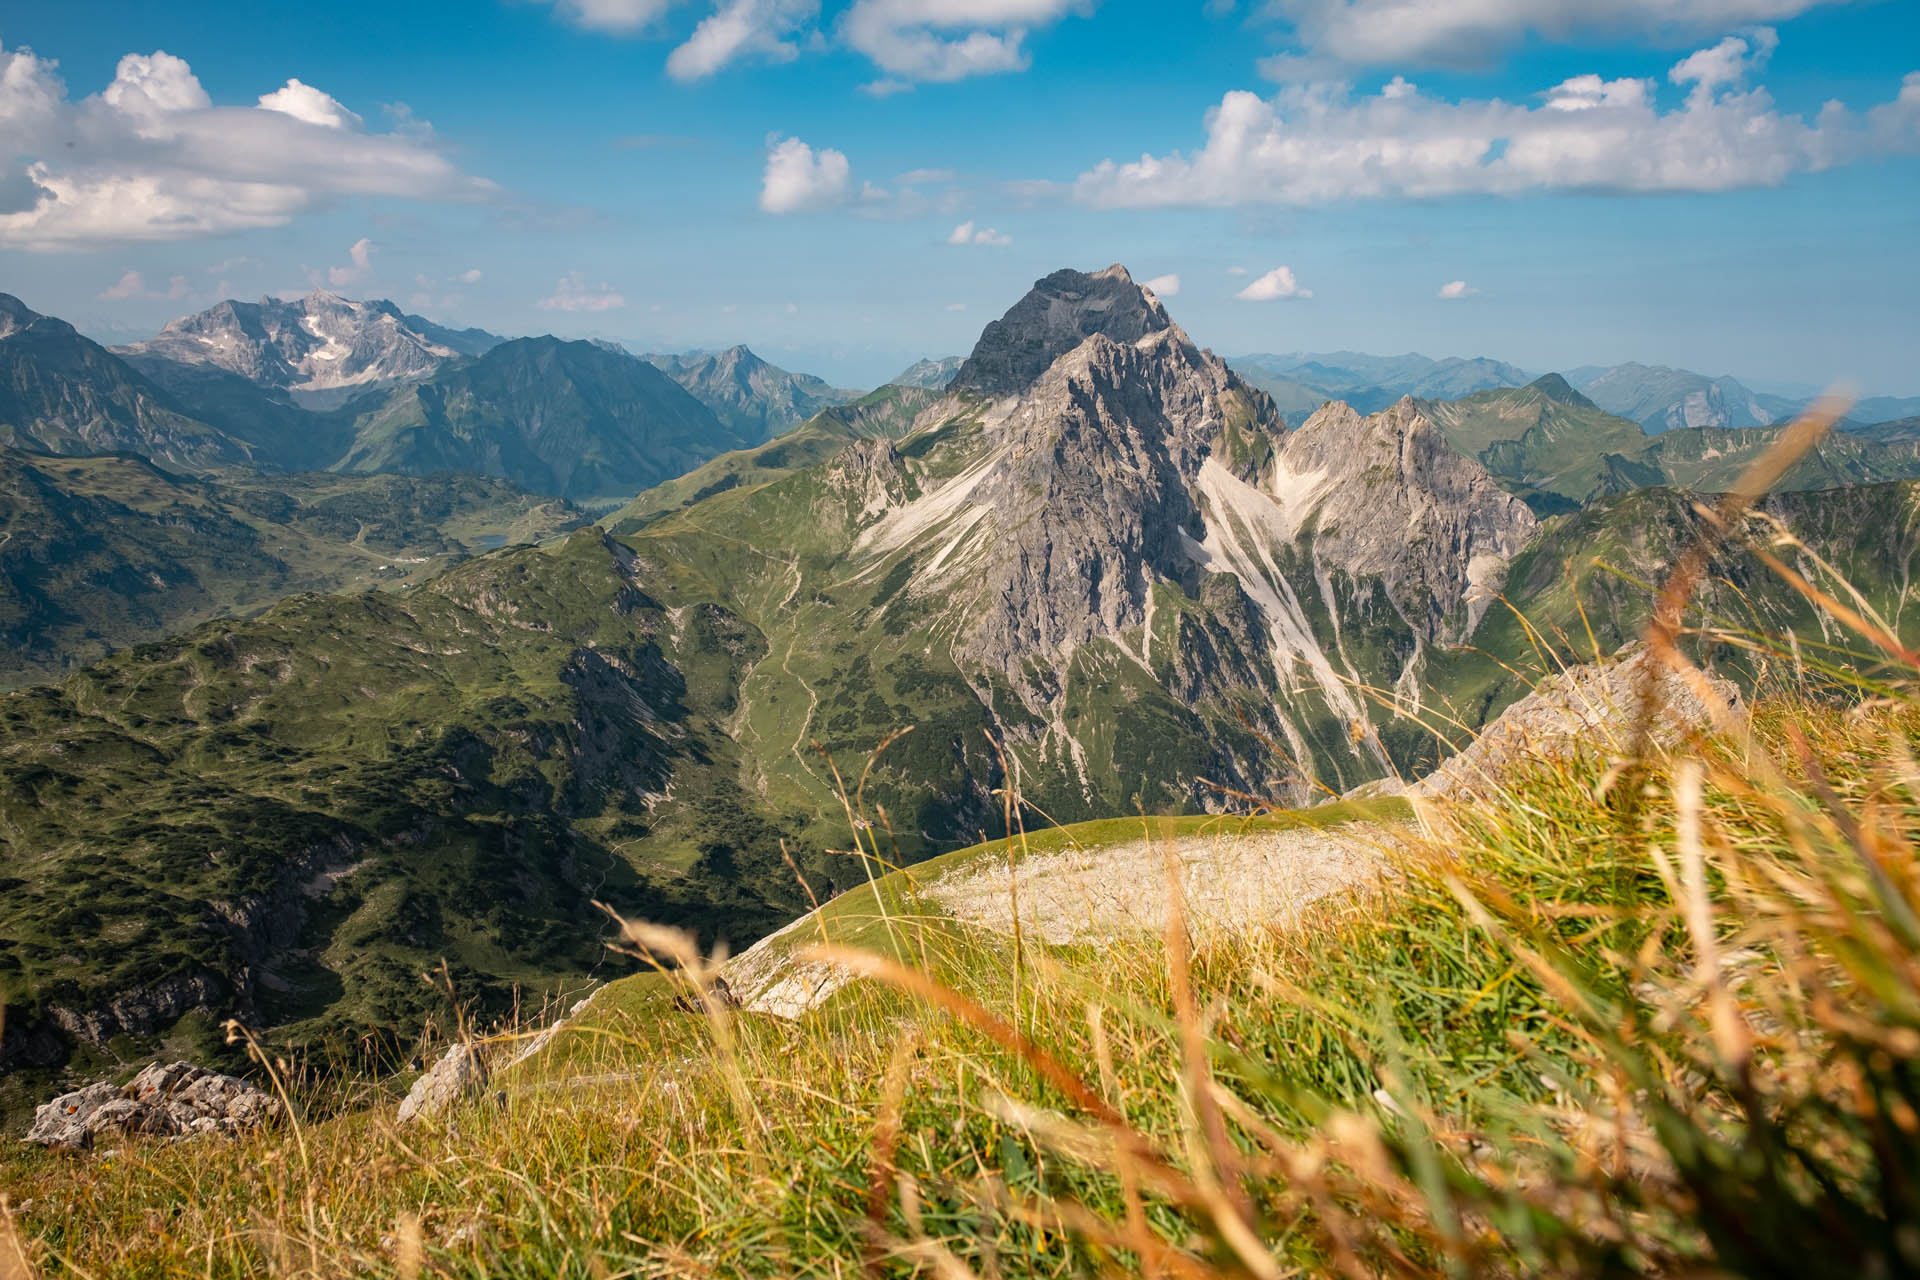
pixel 1387 496
pixel 15 315
pixel 320 347
pixel 1059 313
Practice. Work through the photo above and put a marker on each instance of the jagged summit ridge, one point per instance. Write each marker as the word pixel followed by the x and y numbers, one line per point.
pixel 1136 499
pixel 317 347
pixel 1059 313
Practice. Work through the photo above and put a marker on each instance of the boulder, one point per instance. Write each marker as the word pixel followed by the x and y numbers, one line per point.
pixel 461 1070
pixel 171 1100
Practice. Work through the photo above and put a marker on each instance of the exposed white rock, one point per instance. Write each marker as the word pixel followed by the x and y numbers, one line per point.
pixel 460 1072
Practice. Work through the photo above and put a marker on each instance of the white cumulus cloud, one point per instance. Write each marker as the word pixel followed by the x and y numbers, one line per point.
pixel 967 233
pixel 150 157
pixel 799 178
pixel 1277 283
pixel 1376 32
pixel 572 293
pixel 738 28
pixel 1317 143
pixel 1165 286
pixel 304 102
pixel 1455 289
pixel 944 40
pixel 470 276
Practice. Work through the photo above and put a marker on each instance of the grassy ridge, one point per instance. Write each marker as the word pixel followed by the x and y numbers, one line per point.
pixel 1381 1077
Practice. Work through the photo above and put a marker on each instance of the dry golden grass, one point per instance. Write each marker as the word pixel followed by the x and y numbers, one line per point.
pixel 1642 1012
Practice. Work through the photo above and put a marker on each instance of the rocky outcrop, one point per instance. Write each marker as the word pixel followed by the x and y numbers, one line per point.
pixel 1386 497
pixel 1057 315
pixel 175 1100
pixel 141 1011
pixel 1596 707
pixel 460 1073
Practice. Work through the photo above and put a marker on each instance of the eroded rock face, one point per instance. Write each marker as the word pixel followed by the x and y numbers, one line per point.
pixel 1387 497
pixel 171 1100
pixel 1094 476
pixel 1058 314
pixel 460 1072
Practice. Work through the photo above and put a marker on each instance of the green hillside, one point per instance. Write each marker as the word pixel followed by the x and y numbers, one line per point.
pixel 1556 448
pixel 567 418
pixel 100 553
pixel 887 411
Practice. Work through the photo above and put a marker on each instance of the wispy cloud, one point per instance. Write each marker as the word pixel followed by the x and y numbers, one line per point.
pixel 132 284
pixel 968 233
pixel 1166 286
pixel 1454 290
pixel 359 262
pixel 1423 33
pixel 739 29
pixel 945 40
pixel 573 293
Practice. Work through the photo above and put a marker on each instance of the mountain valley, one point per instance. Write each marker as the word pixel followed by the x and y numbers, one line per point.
pixel 1094 565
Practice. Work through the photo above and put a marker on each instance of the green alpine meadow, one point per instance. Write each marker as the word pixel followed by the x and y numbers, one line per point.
pixel 820 638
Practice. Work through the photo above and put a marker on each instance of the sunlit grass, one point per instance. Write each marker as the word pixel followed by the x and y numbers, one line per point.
pixel 1641 1010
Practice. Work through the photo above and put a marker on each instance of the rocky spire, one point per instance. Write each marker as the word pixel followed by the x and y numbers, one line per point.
pixel 1058 314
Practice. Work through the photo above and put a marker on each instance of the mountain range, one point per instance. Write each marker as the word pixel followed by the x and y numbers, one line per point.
pixel 1558 449
pixel 320 349
pixel 321 383
pixel 1095 565
pixel 753 399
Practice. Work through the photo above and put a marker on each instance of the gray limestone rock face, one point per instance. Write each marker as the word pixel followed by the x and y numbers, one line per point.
pixel 1387 497
pixel 460 1071
pixel 172 1100
pixel 1058 314
pixel 1093 477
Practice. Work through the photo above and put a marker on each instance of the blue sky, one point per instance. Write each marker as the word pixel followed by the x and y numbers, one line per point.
pixel 1649 183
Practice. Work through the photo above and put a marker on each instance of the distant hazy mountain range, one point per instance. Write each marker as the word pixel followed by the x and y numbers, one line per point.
pixel 935 374
pixel 1654 396
pixel 1557 449
pixel 754 399
pixel 1300 383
